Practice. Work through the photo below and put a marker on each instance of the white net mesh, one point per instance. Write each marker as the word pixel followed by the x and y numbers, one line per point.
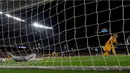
pixel 63 34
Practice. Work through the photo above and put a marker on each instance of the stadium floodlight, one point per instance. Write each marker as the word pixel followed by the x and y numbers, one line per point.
pixel 1 12
pixel 8 15
pixel 19 19
pixel 41 26
pixel 16 18
pixel 23 20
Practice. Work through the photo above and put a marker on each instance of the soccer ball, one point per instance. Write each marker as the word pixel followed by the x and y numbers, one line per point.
pixel 2 60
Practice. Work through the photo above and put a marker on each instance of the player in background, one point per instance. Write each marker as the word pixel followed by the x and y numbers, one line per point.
pixel 66 49
pixel 128 44
pixel 128 40
pixel 110 45
pixel 54 54
pixel 96 51
pixel 72 52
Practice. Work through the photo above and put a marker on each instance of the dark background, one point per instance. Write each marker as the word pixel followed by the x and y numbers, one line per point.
pixel 74 22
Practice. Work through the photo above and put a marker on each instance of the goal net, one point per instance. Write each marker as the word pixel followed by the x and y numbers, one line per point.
pixel 64 34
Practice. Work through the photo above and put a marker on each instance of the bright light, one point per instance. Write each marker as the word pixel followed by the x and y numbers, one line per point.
pixel 16 18
pixel 41 26
pixel 1 12
pixel 8 15
pixel 23 20
pixel 21 47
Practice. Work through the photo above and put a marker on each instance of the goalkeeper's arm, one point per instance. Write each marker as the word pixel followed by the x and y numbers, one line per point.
pixel 115 43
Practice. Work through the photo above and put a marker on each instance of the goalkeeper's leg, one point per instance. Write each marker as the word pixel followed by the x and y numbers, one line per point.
pixel 113 50
pixel 106 53
pixel 107 50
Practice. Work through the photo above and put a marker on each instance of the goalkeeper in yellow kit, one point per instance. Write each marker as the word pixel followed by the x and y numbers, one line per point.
pixel 110 45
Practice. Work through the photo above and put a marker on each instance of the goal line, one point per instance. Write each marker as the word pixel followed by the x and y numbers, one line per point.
pixel 98 68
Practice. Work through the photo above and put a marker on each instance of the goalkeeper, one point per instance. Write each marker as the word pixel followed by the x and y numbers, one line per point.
pixel 110 45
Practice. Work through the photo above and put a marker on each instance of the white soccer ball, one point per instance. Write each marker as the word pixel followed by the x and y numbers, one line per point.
pixel 2 60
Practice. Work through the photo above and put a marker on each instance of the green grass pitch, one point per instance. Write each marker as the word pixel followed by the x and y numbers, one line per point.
pixel 55 71
pixel 121 60
pixel 112 60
